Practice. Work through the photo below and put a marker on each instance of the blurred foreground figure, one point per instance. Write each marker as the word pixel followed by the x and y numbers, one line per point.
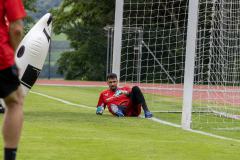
pixel 11 33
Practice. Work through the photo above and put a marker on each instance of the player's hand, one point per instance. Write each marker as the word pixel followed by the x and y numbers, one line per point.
pixel 119 92
pixel 99 110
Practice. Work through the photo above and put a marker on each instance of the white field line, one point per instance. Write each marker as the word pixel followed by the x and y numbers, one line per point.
pixel 164 122
pixel 62 100
pixel 71 85
pixel 152 119
pixel 228 129
pixel 194 131
pixel 213 135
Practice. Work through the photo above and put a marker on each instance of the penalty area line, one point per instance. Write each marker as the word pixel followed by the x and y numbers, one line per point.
pixel 152 119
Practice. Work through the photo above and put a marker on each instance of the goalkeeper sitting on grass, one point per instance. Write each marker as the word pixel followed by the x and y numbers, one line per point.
pixel 123 101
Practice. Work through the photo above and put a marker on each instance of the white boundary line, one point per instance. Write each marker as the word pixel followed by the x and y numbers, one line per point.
pixel 214 135
pixel 228 129
pixel 164 122
pixel 194 131
pixel 61 100
pixel 71 85
pixel 152 119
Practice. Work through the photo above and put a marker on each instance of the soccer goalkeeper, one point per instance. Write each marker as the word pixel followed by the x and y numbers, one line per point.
pixel 123 101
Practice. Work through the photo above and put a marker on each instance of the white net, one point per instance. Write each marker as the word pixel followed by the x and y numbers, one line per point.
pixel 153 48
pixel 217 65
pixel 153 57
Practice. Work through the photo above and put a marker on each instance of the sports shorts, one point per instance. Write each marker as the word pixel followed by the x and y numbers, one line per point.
pixel 9 81
pixel 133 110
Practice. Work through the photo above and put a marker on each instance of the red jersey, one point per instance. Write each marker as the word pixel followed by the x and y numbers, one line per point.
pixel 108 97
pixel 10 10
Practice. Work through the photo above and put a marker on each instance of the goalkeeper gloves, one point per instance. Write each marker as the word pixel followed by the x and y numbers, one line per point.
pixel 99 110
pixel 119 92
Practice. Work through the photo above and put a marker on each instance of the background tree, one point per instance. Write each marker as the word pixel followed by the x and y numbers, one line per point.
pixel 30 6
pixel 83 22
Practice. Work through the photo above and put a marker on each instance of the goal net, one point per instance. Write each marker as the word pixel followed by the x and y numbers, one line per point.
pixel 217 65
pixel 153 52
pixel 153 48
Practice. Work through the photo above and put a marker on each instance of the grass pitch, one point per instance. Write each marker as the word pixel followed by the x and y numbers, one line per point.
pixel 53 130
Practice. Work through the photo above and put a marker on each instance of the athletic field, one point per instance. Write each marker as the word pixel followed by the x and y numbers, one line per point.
pixel 61 124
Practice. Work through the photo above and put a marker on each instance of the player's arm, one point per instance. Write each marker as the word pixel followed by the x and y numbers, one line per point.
pixel 100 106
pixel 15 13
pixel 16 32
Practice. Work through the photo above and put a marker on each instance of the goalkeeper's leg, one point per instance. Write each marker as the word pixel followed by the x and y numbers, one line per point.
pixel 137 99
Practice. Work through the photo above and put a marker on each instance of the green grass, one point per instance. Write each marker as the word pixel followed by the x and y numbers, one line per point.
pixel 207 122
pixel 53 130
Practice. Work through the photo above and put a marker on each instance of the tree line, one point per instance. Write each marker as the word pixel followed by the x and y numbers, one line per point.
pixel 83 22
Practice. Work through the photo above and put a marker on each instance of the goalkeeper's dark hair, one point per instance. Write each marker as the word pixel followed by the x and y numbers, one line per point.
pixel 111 76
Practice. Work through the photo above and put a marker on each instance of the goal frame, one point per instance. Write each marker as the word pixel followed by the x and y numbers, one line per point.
pixel 191 43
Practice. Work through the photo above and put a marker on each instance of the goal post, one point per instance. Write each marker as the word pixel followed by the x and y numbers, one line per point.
pixel 185 57
pixel 189 63
pixel 117 37
pixel 138 61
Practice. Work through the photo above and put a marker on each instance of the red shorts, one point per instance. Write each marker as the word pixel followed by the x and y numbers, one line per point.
pixel 133 110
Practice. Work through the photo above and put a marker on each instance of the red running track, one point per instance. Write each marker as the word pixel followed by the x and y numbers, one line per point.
pixel 218 94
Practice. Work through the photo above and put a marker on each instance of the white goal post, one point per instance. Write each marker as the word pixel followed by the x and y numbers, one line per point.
pixel 189 63
pixel 117 37
pixel 184 54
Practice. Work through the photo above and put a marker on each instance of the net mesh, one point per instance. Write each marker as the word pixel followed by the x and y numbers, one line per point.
pixel 217 64
pixel 153 47
pixel 153 57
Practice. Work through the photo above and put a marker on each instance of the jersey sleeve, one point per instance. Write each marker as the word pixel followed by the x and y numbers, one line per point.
pixel 101 101
pixel 14 10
